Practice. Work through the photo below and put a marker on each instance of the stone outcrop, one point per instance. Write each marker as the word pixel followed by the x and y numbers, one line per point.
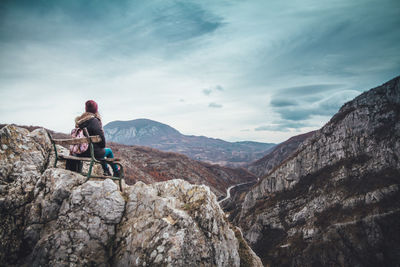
pixel 23 158
pixel 54 217
pixel 167 220
pixel 336 200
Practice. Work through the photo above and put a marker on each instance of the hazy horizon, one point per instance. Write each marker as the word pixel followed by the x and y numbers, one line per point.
pixel 235 70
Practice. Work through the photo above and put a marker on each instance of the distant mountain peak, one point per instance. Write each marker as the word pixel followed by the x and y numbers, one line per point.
pixel 145 132
pixel 141 124
pixel 139 132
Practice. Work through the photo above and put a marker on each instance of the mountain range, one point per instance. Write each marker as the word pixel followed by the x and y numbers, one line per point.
pixel 144 132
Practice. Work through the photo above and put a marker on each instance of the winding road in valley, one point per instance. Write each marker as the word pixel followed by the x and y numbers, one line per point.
pixel 228 191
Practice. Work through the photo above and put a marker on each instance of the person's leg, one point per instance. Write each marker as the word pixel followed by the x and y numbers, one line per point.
pixel 106 171
pixel 109 154
pixel 104 165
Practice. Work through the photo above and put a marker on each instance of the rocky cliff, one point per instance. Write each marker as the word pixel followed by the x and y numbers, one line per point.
pixel 260 168
pixel 336 200
pixel 52 217
pixel 279 153
pixel 144 132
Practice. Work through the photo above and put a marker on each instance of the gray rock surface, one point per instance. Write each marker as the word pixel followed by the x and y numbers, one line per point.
pixel 23 158
pixel 336 200
pixel 52 217
pixel 277 155
pixel 187 220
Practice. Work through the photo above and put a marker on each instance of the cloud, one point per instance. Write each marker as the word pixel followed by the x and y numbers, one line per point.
pixel 305 108
pixel 282 126
pixel 214 105
pixel 309 90
pixel 281 102
pixel 207 91
pixel 118 30
pixel 330 44
pixel 210 90
pixel 184 20
pixel 300 103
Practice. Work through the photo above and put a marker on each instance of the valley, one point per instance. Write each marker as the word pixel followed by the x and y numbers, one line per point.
pixel 150 165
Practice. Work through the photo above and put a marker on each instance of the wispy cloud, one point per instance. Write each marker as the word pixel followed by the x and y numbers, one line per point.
pixel 293 106
pixel 314 89
pixel 207 91
pixel 214 105
pixel 213 89
pixel 282 102
pixel 282 126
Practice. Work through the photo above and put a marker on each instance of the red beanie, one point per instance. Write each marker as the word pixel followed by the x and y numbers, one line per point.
pixel 91 106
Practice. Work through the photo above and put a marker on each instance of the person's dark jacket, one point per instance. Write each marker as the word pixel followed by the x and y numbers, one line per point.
pixel 93 124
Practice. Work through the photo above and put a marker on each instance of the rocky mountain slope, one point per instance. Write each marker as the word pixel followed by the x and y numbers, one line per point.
pixel 52 217
pixel 336 200
pixel 153 134
pixel 150 165
pixel 260 168
pixel 279 153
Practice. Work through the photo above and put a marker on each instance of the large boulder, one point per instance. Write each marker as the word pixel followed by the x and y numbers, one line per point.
pixel 84 224
pixel 23 157
pixel 187 221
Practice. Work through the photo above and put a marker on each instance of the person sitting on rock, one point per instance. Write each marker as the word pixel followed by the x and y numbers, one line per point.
pixel 92 121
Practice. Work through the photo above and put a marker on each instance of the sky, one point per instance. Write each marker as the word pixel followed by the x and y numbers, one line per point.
pixel 256 70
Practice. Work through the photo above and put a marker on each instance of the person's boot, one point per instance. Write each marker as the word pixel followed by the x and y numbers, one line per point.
pixel 107 172
pixel 117 173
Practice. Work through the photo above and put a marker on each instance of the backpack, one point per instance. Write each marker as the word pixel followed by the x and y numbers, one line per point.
pixel 78 148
